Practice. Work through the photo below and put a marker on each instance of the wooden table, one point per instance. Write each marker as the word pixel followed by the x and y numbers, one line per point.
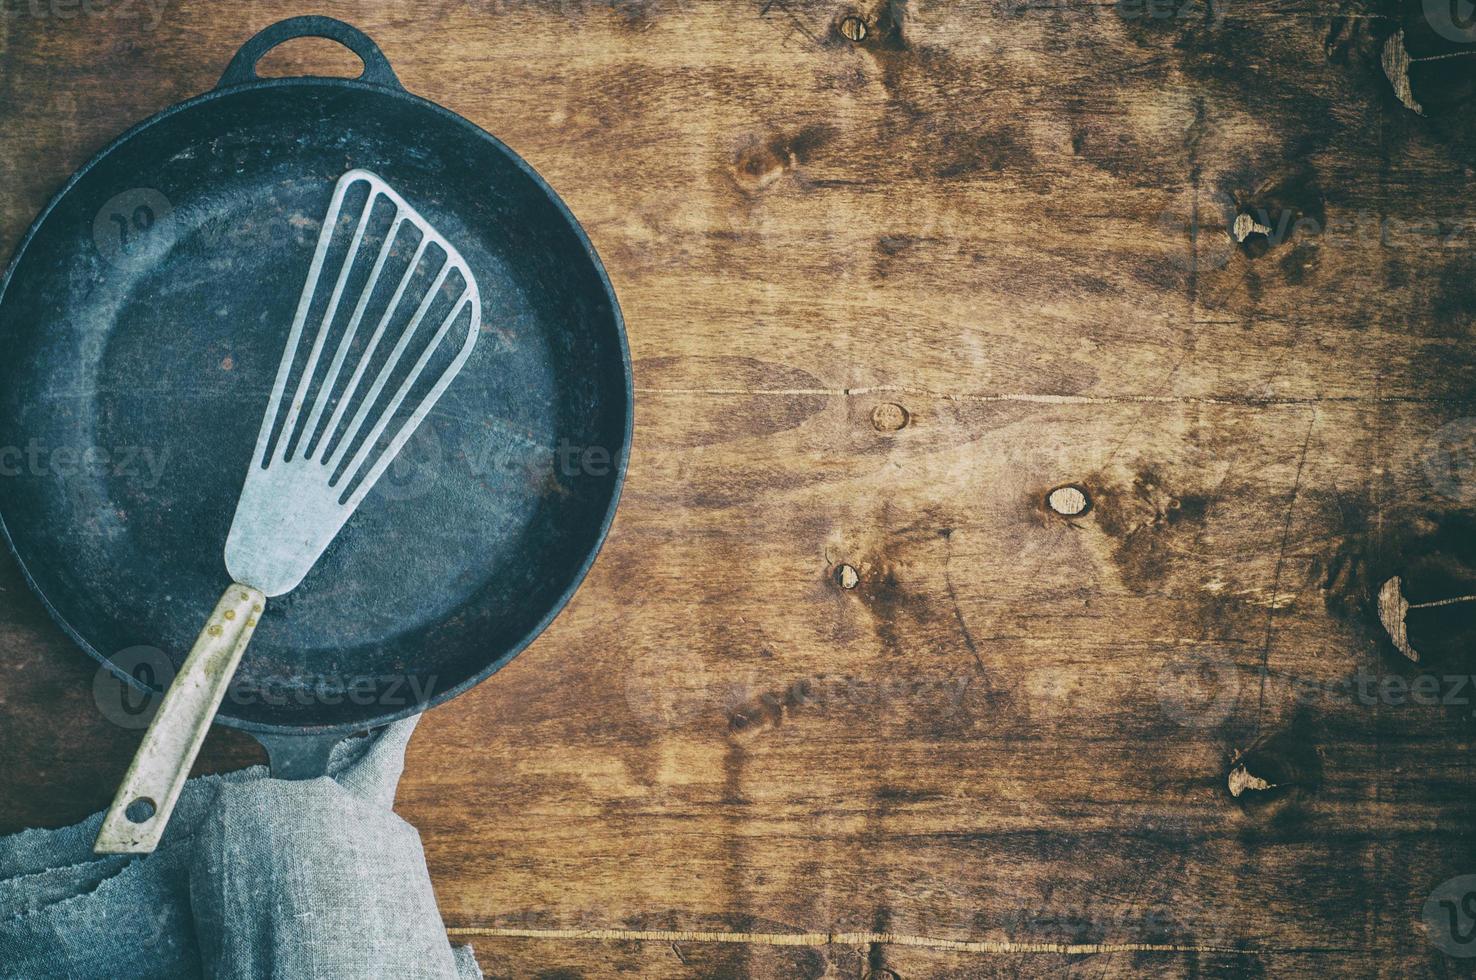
pixel 843 696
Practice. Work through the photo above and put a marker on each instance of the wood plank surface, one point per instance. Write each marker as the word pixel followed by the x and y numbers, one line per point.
pixel 1006 748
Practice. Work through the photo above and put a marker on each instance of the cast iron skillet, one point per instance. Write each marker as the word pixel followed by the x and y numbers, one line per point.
pixel 141 323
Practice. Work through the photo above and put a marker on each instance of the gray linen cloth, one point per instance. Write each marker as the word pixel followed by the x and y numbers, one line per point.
pixel 256 877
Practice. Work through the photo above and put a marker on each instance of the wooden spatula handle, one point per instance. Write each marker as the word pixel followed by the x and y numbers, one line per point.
pixel 136 820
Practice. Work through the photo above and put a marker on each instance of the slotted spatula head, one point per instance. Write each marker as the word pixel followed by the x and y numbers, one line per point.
pixel 387 318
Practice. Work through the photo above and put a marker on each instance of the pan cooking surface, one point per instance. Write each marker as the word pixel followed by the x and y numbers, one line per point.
pixel 145 321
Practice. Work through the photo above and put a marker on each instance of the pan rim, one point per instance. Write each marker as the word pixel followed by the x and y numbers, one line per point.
pixel 618 319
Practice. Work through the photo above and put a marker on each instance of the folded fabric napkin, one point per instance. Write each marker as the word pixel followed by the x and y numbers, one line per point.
pixel 256 877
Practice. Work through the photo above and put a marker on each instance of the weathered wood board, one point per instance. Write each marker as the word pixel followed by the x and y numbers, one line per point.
pixel 1006 748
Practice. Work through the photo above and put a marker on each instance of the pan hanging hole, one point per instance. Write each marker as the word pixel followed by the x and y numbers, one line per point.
pixel 310 56
pixel 141 810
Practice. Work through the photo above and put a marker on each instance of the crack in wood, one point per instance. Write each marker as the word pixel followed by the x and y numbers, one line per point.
pixel 1291 506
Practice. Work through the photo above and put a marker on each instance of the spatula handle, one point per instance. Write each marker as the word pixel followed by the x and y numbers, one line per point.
pixel 136 820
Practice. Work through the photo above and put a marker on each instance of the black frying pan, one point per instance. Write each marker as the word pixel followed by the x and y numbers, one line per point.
pixel 141 323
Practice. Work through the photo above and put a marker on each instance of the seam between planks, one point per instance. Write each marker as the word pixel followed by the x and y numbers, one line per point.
pixel 1058 399
pixel 856 939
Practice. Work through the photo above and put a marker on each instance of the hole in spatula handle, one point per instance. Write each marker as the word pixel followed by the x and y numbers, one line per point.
pixel 141 810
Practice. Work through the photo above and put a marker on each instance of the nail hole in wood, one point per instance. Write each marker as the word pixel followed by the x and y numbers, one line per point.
pixel 1069 500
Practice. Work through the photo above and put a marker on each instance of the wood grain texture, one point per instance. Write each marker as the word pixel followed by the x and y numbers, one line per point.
pixel 1014 730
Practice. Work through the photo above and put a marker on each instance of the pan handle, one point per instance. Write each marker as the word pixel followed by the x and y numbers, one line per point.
pixel 298 756
pixel 135 822
pixel 377 70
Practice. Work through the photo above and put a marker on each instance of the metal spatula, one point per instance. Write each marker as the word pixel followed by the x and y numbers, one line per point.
pixel 341 409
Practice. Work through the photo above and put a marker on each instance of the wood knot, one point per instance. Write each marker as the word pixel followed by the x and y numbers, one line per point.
pixel 761 163
pixel 1393 609
pixel 853 29
pixel 889 417
pixel 846 576
pixel 758 166
pixel 1277 774
pixel 1246 225
pixel 1069 500
pixel 1242 780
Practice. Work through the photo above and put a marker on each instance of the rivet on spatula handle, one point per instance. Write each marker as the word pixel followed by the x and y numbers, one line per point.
pixel 136 820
